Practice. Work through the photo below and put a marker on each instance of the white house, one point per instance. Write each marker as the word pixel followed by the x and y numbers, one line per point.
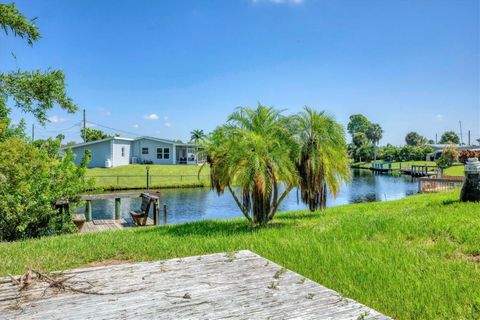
pixel 117 151
pixel 438 150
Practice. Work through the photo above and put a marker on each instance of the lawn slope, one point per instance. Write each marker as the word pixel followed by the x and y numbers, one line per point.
pixel 415 258
pixel 133 176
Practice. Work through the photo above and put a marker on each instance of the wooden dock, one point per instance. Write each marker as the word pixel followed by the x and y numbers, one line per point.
pixel 239 285
pixel 108 225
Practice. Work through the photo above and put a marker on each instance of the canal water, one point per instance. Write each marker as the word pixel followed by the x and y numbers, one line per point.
pixel 193 204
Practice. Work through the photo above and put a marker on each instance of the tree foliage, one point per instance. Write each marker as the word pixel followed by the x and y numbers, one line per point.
pixel 31 182
pixel 365 136
pixel 89 134
pixel 33 176
pixel 11 19
pixel 449 137
pixel 33 92
pixel 197 136
pixel 258 150
pixel 414 139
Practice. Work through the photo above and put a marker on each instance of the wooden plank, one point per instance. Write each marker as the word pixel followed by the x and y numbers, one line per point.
pixel 105 196
pixel 239 285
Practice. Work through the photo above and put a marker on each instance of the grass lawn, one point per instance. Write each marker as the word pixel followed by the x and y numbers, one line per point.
pixel 134 176
pixel 415 258
pixel 455 170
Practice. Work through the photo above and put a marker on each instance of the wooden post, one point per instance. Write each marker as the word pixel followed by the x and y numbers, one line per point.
pixel 118 214
pixel 88 210
pixel 164 214
pixel 156 210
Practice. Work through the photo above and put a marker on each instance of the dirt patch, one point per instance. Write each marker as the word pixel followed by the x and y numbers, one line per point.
pixel 473 257
pixel 107 262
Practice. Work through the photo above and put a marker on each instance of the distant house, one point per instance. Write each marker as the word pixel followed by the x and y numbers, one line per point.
pixel 438 150
pixel 117 151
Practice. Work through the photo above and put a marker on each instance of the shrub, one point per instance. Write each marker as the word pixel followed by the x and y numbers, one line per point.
pixel 465 154
pixel 31 183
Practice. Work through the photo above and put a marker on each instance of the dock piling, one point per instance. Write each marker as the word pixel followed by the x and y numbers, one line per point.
pixel 164 214
pixel 88 210
pixel 118 214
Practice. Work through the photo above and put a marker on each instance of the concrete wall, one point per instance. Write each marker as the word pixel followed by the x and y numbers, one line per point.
pixel 152 146
pixel 100 152
pixel 118 159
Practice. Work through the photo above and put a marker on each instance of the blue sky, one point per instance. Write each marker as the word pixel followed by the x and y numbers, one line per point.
pixel 163 68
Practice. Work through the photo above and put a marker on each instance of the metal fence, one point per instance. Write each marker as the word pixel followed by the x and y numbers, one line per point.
pixel 434 184
pixel 140 181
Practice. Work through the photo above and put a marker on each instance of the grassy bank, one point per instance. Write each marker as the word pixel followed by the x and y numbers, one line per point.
pixel 134 176
pixel 416 258
pixel 455 170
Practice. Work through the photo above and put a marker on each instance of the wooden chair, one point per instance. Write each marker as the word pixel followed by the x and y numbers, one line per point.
pixel 140 217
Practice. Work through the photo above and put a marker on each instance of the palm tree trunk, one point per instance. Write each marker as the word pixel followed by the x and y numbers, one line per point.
pixel 245 213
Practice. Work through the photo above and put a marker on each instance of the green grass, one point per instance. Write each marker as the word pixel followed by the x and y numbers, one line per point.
pixel 134 176
pixel 416 258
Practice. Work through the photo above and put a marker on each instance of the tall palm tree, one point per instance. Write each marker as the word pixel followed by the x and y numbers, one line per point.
pixel 258 150
pixel 197 135
pixel 323 159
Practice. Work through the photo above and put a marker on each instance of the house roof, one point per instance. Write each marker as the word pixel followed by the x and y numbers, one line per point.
pixel 129 139
pixel 97 141
pixel 164 140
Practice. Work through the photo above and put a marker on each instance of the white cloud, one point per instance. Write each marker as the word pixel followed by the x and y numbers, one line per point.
pixel 168 124
pixel 56 119
pixel 105 112
pixel 136 126
pixel 439 117
pixel 151 116
pixel 279 1
pixel 90 125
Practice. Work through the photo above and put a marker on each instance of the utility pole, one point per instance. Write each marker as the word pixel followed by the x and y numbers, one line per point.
pixel 84 127
pixel 461 133
pixel 33 132
pixel 469 138
pixel 436 138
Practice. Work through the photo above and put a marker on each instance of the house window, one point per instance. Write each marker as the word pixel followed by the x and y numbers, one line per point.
pixel 144 150
pixel 163 153
pixel 123 151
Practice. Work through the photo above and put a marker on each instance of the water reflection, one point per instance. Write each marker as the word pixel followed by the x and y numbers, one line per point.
pixel 196 204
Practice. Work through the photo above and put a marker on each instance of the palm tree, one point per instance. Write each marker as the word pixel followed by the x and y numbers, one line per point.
pixel 197 135
pixel 323 160
pixel 259 150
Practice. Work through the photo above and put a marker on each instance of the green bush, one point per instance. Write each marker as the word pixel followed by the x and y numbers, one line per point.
pixel 31 182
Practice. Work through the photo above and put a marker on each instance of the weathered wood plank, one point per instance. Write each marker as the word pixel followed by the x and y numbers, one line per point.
pixel 218 286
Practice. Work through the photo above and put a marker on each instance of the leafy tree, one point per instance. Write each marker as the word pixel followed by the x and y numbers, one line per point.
pixel 93 134
pixel 478 140
pixel 197 136
pixel 33 92
pixel 50 145
pixel 259 149
pixel 33 176
pixel 450 137
pixel 389 153
pixel 414 139
pixel 30 184
pixel 358 123
pixel 450 153
pixel 374 133
pixel 365 136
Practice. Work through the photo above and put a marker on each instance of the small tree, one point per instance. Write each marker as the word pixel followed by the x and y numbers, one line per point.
pixel 259 149
pixel 450 137
pixel 89 134
pixel 414 139
pixel 31 183
pixel 197 136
